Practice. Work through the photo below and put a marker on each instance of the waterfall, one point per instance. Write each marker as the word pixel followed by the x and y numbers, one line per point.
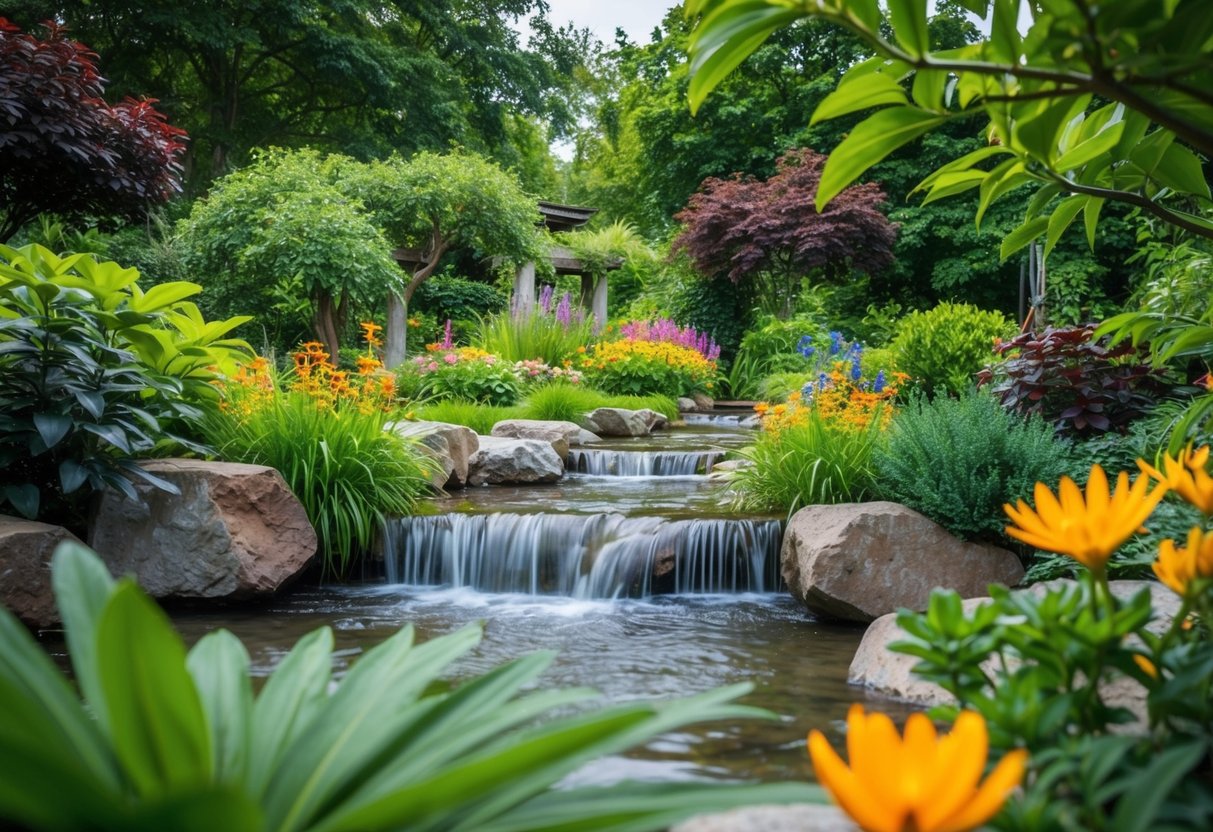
pixel 613 463
pixel 584 555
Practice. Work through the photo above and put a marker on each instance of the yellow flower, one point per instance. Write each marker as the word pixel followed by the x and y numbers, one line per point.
pixel 923 782
pixel 1178 568
pixel 1147 666
pixel 1188 476
pixel 1087 530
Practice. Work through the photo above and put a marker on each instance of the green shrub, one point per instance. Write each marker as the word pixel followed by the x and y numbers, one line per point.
pixel 93 373
pixel 777 387
pixel 445 297
pixel 159 737
pixel 943 348
pixel 957 461
pixel 348 472
pixel 483 378
pixel 774 346
pixel 479 417
pixel 816 462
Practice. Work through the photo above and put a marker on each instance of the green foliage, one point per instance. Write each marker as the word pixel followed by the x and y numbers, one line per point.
pixel 817 462
pixel 715 305
pixel 565 402
pixel 169 738
pixel 772 346
pixel 616 252
pixel 1037 665
pixel 285 218
pixel 475 415
pixel 957 461
pixel 93 373
pixel 942 349
pixel 485 379
pixel 348 472
pixel 457 299
pixel 776 387
pixel 538 335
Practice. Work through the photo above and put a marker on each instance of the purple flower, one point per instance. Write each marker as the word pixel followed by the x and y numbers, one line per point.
pixel 564 310
pixel 447 341
pixel 545 299
pixel 856 372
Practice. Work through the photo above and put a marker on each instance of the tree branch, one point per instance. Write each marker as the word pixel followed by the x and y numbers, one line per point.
pixel 1140 200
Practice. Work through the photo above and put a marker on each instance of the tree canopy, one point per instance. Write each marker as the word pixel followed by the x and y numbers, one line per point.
pixel 63 149
pixel 769 231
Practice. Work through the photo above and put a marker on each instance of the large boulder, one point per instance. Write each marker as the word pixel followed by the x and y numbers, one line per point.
pixel 618 421
pixel 25 569
pixel 859 561
pixel 561 435
pixel 890 674
pixel 235 531
pixel 452 446
pixel 502 461
pixel 798 817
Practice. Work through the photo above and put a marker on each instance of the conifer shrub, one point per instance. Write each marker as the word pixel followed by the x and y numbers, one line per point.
pixel 957 461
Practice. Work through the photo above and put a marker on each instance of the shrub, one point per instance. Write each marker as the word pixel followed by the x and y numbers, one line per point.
pixel 479 417
pixel 1075 381
pixel 536 373
pixel 957 461
pixel 93 373
pixel 551 332
pixel 467 373
pixel 815 461
pixel 647 367
pixel 447 298
pixel 772 347
pixel 331 448
pixel 944 348
pixel 159 737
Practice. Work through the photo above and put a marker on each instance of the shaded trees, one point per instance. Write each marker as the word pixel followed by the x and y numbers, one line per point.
pixel 63 148
pixel 768 232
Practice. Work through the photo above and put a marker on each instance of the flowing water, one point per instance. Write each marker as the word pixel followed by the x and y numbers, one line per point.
pixel 635 570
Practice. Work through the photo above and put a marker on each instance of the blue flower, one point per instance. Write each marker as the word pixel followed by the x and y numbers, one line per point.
pixel 805 346
pixel 835 343
pixel 856 372
pixel 878 386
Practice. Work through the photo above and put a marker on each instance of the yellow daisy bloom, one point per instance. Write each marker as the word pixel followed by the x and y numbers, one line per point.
pixel 1087 529
pixel 1188 476
pixel 1178 568
pixel 920 782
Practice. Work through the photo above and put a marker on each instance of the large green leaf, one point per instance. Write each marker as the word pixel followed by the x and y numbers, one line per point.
pixel 909 21
pixel 873 139
pixel 871 90
pixel 156 721
pixel 82 586
pixel 726 36
pixel 219 665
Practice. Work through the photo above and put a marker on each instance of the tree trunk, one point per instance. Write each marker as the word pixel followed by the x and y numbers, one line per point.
pixel 325 323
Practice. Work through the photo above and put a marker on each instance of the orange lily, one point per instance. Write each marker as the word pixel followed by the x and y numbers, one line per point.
pixel 1178 568
pixel 1188 476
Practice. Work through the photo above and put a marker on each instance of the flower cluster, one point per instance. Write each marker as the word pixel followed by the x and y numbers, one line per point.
pixel 249 389
pixel 536 371
pixel 629 367
pixel 369 388
pixel 665 330
pixel 439 355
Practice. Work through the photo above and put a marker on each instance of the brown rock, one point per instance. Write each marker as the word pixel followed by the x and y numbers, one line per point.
pixel 704 402
pixel 235 531
pixel 859 561
pixel 25 569
pixel 618 421
pixel 560 434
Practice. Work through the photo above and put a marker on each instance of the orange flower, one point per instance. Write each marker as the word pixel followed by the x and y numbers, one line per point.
pixel 1180 569
pixel 1188 476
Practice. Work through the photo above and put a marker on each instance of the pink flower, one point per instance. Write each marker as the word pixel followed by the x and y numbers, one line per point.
pixel 451 358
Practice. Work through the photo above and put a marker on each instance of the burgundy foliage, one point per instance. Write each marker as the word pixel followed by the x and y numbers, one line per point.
pixel 63 149
pixel 1074 381
pixel 771 231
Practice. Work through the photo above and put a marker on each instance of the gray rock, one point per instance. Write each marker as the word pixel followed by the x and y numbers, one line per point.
pixel 859 561
pixel 560 434
pixel 704 402
pixel 686 405
pixel 800 817
pixel 503 461
pixel 235 531
pixel 451 445
pixel 25 569
pixel 585 437
pixel 617 421
pixel 655 420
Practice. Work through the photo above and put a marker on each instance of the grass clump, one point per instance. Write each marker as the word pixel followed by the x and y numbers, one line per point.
pixel 816 461
pixel 957 461
pixel 570 402
pixel 479 417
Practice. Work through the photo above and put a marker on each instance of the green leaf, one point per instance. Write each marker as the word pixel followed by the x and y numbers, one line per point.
pixel 1022 235
pixel 873 139
pixel 156 722
pixel 1138 807
pixel 52 427
pixel 220 667
pixel 1180 170
pixel 82 585
pixel 162 295
pixel 1090 218
pixel 1090 149
pixel 24 498
pixel 909 21
pixel 726 36
pixel 871 90
pixel 1061 218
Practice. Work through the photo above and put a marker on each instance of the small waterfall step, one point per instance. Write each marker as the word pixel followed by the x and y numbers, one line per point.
pixel 625 463
pixel 602 555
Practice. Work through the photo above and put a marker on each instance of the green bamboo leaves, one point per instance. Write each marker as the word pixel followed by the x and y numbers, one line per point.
pixel 166 738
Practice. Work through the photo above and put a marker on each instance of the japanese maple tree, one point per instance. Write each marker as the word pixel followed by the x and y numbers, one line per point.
pixel 63 148
pixel 770 233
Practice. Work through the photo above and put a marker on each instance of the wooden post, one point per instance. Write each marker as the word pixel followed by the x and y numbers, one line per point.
pixel 395 331
pixel 598 308
pixel 524 291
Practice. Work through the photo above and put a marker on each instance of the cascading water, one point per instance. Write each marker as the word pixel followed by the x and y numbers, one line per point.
pixel 585 555
pixel 615 463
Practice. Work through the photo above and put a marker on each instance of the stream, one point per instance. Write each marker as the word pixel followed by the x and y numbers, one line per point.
pixel 636 570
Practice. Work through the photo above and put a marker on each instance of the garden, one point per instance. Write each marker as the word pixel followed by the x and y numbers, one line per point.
pixel 820 439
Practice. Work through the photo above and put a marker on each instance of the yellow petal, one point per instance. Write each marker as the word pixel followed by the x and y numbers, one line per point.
pixel 990 797
pixel 958 767
pixel 876 759
pixel 846 790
